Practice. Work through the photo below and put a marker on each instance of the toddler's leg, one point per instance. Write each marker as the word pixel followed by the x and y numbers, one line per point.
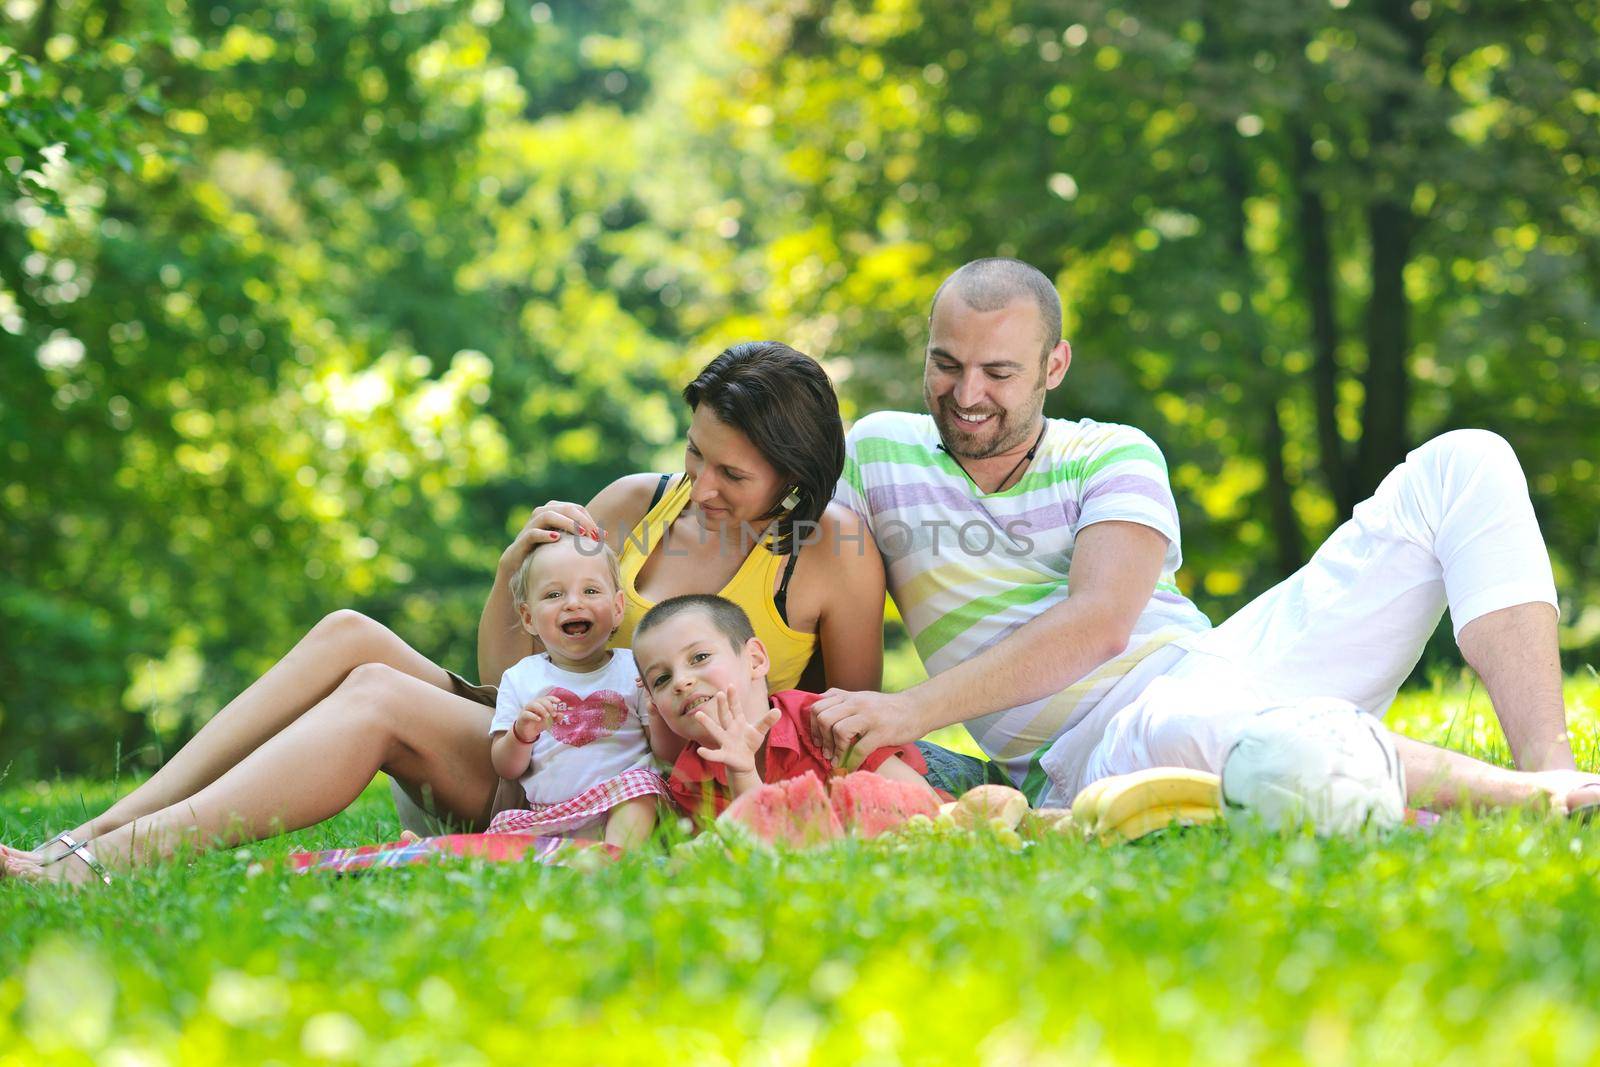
pixel 629 823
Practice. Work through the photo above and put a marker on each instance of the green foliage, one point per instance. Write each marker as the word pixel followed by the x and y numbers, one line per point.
pixel 1467 944
pixel 302 306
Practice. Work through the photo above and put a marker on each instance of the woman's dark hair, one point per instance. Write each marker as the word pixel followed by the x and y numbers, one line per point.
pixel 783 401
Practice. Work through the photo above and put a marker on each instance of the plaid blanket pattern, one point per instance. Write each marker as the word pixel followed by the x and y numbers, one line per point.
pixel 582 809
pixel 493 848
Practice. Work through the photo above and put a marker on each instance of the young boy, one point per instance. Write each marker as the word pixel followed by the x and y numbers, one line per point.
pixel 705 676
pixel 568 721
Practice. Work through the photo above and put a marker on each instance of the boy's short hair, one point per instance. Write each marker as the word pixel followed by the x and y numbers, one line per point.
pixel 519 580
pixel 728 617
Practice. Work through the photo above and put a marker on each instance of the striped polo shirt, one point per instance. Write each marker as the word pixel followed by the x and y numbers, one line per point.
pixel 967 568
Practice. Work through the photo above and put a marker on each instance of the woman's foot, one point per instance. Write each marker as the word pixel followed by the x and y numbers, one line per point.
pixel 75 865
pixel 41 855
pixel 18 863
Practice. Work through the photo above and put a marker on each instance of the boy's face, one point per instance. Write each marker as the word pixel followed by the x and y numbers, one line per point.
pixel 572 606
pixel 686 660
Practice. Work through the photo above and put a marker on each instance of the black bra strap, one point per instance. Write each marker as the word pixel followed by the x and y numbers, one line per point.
pixel 781 599
pixel 661 489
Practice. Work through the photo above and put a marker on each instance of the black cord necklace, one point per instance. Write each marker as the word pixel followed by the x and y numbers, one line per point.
pixel 1009 473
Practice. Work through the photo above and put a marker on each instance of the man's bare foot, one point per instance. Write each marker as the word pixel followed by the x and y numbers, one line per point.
pixel 1584 802
pixel 1568 792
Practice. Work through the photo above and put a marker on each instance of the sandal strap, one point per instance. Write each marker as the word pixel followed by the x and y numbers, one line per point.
pixel 76 849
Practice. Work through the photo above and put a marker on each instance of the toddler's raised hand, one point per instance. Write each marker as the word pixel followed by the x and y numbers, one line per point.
pixel 537 716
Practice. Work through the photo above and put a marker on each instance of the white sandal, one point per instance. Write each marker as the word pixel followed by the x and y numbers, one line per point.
pixel 74 848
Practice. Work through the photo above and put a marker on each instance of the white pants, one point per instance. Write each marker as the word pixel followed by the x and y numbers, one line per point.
pixel 1452 525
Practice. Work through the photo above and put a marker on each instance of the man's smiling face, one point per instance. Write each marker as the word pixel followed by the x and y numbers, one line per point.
pixel 985 377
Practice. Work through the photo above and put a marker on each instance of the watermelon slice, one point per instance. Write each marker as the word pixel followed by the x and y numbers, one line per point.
pixel 793 812
pixel 868 804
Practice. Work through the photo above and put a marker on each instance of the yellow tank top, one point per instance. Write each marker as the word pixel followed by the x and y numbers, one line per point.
pixel 751 588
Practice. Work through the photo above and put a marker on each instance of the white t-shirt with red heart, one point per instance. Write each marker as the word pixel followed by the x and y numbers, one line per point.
pixel 601 734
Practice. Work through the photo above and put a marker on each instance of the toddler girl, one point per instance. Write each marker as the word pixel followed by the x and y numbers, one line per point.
pixel 568 721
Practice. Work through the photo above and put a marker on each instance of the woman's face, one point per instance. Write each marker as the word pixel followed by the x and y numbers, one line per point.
pixel 733 482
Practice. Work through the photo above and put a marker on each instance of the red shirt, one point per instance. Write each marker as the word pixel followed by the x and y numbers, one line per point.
pixel 790 753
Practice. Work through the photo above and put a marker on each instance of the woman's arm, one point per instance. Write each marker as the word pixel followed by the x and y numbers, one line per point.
pixel 612 514
pixel 846 564
pixel 501 639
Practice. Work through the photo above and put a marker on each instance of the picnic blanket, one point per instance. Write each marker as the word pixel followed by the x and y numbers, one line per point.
pixel 493 848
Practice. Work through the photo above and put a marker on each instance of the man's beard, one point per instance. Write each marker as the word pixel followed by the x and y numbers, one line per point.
pixel 999 435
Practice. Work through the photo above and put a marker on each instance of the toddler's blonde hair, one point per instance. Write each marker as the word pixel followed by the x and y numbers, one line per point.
pixel 519 580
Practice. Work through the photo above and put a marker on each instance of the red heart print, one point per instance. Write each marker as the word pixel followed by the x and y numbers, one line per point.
pixel 587 718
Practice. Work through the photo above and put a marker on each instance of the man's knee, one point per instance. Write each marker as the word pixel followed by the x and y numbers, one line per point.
pixel 1463 464
pixel 1472 449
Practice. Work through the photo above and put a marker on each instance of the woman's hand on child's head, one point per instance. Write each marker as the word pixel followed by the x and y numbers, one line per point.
pixel 546 524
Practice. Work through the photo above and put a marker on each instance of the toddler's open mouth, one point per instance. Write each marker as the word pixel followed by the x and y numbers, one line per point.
pixel 577 627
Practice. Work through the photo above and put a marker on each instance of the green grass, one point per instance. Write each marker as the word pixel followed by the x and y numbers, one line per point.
pixel 1475 943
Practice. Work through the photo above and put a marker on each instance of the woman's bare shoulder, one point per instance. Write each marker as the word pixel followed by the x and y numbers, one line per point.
pixel 843 547
pixel 842 527
pixel 620 505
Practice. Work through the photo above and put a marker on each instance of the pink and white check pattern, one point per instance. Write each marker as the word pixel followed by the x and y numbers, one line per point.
pixel 582 809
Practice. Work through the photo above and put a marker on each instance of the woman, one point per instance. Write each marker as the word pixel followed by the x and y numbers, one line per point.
pixel 750 518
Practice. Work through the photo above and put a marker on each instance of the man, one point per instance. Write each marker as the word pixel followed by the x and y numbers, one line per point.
pixel 987 513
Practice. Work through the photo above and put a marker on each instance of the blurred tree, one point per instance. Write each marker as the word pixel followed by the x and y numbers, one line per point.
pixel 302 305
pixel 1272 224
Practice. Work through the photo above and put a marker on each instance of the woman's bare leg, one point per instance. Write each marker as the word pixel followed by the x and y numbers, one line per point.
pixel 378 719
pixel 312 670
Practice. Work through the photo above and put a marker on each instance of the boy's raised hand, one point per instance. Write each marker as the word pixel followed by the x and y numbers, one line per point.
pixel 737 739
pixel 536 717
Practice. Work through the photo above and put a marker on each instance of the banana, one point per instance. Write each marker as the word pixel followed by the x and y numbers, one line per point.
pixel 1157 787
pixel 1149 820
pixel 1086 805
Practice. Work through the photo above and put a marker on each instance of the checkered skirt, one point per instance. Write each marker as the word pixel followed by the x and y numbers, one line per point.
pixel 585 808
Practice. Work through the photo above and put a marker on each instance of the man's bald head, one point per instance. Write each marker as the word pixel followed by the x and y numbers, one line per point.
pixel 992 284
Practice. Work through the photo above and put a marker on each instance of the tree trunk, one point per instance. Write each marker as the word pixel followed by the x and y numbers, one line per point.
pixel 1384 437
pixel 1267 385
pixel 1390 229
pixel 1316 280
pixel 44 27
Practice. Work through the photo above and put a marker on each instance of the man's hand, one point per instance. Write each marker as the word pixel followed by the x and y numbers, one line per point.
pixel 736 739
pixel 862 723
pixel 537 717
